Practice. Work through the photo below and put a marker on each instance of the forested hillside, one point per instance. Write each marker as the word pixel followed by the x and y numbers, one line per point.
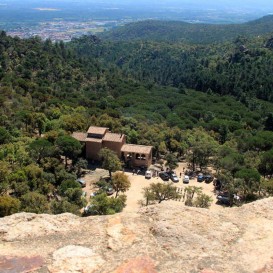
pixel 175 31
pixel 148 90
pixel 241 68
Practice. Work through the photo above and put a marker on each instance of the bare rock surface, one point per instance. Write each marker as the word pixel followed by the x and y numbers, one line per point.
pixel 75 259
pixel 165 238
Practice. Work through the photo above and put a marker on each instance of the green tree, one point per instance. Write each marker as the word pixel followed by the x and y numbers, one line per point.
pixel 34 202
pixel 5 136
pixel 101 204
pixel 62 206
pixel 120 182
pixel 34 176
pixel 69 147
pixel 267 187
pixel 190 191
pixel 80 165
pixel 4 172
pixel 149 197
pixel 202 201
pixel 201 148
pixel 110 161
pixel 39 120
pixel 68 184
pixel 266 164
pixel 251 178
pixel 160 192
pixel 40 148
pixel 171 161
pixel 8 205
pixel 74 196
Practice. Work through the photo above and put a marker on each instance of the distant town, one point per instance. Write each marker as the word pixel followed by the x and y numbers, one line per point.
pixel 63 30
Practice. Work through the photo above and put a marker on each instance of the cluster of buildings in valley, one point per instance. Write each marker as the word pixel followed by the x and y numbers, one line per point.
pixel 61 30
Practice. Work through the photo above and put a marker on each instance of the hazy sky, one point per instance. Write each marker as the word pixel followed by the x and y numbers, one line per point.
pixel 250 4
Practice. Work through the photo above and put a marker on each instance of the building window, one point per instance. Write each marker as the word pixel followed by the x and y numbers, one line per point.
pixel 143 157
pixel 138 156
pixel 129 156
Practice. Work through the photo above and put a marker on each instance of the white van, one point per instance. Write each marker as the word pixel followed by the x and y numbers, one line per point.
pixel 148 174
pixel 186 179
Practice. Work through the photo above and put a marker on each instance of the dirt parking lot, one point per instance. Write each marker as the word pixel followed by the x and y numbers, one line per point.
pixel 138 182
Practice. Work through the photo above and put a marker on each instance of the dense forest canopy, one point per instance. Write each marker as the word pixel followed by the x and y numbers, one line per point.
pixel 176 31
pixel 206 103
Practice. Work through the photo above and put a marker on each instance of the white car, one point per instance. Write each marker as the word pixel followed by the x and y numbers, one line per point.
pixel 186 179
pixel 174 177
pixel 148 174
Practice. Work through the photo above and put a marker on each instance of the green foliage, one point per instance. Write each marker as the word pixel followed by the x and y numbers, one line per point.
pixel 202 148
pixel 120 182
pixel 74 196
pixel 110 161
pixel 266 164
pixel 148 90
pixel 69 147
pixel 189 193
pixel 34 202
pixel 40 148
pixel 8 205
pixel 62 206
pixel 80 165
pixel 160 192
pixel 171 161
pixel 103 205
pixel 251 178
pixel 175 31
pixel 202 201
pixel 5 136
pixel 4 172
pixel 267 187
pixel 68 184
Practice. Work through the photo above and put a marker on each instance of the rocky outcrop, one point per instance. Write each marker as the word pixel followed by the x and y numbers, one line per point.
pixel 168 237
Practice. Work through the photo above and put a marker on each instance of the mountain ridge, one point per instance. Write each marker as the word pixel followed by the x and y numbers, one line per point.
pixel 177 31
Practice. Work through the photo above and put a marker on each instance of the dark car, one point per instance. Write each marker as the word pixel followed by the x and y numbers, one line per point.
pixel 208 178
pixel 223 198
pixel 200 178
pixel 164 176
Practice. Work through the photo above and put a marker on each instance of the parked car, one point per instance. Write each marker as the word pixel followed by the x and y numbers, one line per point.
pixel 186 179
pixel 148 174
pixel 208 178
pixel 174 177
pixel 164 176
pixel 93 194
pixel 82 182
pixel 86 209
pixel 110 191
pixel 200 177
pixel 223 198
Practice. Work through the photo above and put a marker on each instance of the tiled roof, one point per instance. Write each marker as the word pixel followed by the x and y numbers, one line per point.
pixel 79 136
pixel 138 149
pixel 92 139
pixel 97 130
pixel 113 137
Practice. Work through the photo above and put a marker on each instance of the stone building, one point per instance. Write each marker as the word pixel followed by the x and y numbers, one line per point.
pixel 97 138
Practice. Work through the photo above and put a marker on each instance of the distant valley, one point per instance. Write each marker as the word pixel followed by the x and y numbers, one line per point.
pixel 59 21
